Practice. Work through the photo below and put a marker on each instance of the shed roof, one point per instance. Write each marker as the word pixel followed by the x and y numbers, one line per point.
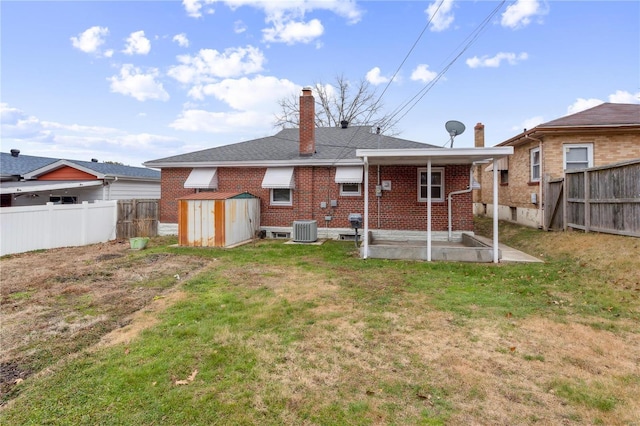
pixel 217 196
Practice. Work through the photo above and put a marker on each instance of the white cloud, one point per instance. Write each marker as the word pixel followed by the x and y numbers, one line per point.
pixel 15 123
pixel 286 18
pixel 90 40
pixel 195 120
pixel 494 62
pixel 624 97
pixel 374 77
pixel 239 27
pixel 528 124
pixel 423 73
pixel 286 10
pixel 582 104
pixel 81 142
pixel 209 65
pixel 292 32
pixel 520 13
pixel 137 44
pixel 181 39
pixel 133 82
pixel 619 97
pixel 440 14
pixel 194 7
pixel 253 102
pixel 260 93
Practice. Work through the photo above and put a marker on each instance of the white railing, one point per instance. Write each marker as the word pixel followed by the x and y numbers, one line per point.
pixel 50 226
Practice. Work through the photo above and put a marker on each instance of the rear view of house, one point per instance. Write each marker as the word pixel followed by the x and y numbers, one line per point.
pixel 321 176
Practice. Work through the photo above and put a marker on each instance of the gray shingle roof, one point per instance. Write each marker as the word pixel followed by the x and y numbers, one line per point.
pixel 606 114
pixel 332 143
pixel 23 164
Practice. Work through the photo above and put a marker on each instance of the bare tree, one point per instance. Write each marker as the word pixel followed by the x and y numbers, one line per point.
pixel 356 103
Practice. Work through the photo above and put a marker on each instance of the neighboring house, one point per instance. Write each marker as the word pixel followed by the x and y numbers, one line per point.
pixel 326 174
pixel 602 135
pixel 28 180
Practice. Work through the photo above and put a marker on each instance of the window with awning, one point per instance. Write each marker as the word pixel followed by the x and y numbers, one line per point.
pixel 349 174
pixel 202 178
pixel 278 178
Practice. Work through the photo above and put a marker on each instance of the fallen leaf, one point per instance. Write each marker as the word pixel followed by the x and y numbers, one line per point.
pixel 509 315
pixel 512 348
pixel 189 379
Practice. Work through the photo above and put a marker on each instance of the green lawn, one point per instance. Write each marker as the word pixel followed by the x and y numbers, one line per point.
pixel 272 333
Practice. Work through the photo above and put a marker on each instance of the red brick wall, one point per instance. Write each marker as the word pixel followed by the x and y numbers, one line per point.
pixel 399 208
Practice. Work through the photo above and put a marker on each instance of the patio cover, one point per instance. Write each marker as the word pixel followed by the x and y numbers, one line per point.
pixel 431 157
pixel 45 185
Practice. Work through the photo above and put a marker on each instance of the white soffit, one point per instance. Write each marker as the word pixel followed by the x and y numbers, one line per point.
pixel 203 178
pixel 349 174
pixel 278 177
pixel 45 185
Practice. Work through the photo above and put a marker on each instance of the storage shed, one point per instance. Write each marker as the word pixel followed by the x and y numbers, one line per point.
pixel 217 219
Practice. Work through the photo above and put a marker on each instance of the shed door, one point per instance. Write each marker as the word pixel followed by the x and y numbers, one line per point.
pixel 201 223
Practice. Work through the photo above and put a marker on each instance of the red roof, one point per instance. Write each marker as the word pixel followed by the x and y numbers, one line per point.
pixel 211 196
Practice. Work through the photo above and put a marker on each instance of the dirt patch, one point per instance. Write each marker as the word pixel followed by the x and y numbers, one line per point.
pixel 58 302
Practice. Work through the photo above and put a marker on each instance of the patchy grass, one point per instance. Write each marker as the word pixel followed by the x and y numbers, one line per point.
pixel 272 333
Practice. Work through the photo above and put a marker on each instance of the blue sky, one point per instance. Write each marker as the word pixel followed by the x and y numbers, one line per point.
pixel 136 81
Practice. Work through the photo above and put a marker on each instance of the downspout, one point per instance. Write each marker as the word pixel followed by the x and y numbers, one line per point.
pixel 463 191
pixel 115 179
pixel 540 189
pixel 365 237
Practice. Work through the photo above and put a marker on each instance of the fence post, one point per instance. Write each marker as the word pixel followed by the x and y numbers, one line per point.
pixel 50 225
pixel 587 205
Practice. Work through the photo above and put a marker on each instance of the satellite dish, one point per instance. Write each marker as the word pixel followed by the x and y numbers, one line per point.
pixel 454 128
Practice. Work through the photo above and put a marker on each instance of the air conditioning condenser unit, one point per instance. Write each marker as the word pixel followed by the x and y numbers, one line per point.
pixel 305 231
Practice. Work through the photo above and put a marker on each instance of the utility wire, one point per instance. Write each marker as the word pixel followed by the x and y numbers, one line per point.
pixel 415 43
pixel 469 40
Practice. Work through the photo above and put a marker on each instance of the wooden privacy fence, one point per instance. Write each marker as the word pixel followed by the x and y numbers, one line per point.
pixel 137 218
pixel 50 226
pixel 602 199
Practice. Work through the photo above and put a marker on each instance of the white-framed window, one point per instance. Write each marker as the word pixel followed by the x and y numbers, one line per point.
pixel 350 189
pixel 535 164
pixel 578 156
pixel 281 197
pixel 437 184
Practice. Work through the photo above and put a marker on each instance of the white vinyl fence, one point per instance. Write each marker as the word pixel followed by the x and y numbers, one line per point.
pixel 44 227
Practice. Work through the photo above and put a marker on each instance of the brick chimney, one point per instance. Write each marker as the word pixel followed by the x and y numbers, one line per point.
pixel 479 135
pixel 307 123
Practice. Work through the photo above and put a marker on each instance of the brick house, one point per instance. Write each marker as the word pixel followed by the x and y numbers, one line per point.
pixel 602 135
pixel 325 174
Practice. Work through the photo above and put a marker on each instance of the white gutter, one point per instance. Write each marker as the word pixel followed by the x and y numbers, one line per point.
pixel 429 210
pixel 254 163
pixel 462 191
pixel 495 211
pixel 365 237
